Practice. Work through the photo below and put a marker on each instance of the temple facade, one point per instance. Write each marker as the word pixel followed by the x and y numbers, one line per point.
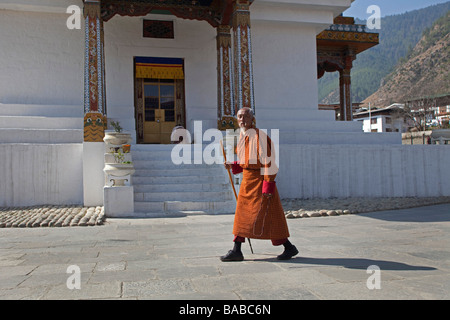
pixel 154 65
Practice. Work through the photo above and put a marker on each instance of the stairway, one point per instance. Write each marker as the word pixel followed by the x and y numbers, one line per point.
pixel 163 189
pixel 41 124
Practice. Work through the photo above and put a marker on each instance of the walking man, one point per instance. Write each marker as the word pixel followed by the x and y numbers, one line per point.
pixel 259 213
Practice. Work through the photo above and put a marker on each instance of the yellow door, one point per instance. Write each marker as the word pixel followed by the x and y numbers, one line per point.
pixel 159 110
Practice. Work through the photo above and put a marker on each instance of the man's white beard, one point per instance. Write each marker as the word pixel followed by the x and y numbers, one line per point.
pixel 242 129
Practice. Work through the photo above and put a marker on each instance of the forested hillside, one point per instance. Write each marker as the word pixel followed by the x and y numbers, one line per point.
pixel 425 71
pixel 399 34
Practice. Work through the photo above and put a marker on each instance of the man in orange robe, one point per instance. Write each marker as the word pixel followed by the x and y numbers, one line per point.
pixel 259 213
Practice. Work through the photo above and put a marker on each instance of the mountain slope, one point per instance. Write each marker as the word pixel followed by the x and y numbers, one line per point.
pixel 424 72
pixel 398 35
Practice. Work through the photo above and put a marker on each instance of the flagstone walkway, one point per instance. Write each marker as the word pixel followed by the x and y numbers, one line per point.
pixel 395 254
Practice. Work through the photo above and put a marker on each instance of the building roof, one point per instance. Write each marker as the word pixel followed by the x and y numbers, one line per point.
pixel 380 111
pixel 344 33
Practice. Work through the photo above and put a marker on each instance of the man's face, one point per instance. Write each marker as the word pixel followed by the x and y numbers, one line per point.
pixel 244 119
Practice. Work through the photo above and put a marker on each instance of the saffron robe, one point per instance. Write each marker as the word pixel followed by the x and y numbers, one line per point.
pixel 256 216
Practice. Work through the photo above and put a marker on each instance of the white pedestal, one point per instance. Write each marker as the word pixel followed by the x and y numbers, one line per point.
pixel 118 201
pixel 93 176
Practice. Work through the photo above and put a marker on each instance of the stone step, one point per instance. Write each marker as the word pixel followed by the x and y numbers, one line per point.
pixel 185 196
pixel 44 136
pixel 293 113
pixel 177 172
pixel 41 110
pixel 144 180
pixel 152 147
pixel 336 138
pixel 168 165
pixel 164 208
pixel 35 122
pixel 180 187
pixel 311 125
pixel 194 157
pixel 156 155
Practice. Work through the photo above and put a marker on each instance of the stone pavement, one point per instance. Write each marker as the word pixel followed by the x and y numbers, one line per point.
pixel 178 258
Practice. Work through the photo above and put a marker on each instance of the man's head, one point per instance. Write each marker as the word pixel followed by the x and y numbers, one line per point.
pixel 245 118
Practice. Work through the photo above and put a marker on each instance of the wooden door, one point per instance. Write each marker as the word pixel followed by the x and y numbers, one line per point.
pixel 159 110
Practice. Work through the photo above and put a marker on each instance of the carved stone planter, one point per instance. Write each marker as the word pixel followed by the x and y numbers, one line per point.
pixel 117 172
pixel 117 138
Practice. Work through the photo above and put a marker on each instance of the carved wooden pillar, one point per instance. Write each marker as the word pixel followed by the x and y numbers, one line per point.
pixel 225 108
pixel 94 74
pixel 243 73
pixel 345 89
pixel 345 95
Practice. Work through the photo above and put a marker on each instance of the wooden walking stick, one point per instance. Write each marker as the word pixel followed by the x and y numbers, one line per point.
pixel 228 170
pixel 232 185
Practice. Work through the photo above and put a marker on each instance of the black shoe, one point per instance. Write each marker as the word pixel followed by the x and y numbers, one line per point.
pixel 233 256
pixel 288 253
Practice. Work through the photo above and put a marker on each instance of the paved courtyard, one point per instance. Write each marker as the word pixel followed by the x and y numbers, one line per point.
pixel 178 258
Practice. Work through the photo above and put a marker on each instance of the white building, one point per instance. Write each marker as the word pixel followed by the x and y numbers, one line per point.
pixel 387 119
pixel 155 64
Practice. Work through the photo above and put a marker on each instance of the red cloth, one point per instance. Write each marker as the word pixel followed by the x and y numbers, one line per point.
pixel 268 187
pixel 236 168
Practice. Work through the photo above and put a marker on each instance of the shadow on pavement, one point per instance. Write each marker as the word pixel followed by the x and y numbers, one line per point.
pixel 435 213
pixel 350 263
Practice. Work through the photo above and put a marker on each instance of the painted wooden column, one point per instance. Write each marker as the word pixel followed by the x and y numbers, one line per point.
pixel 345 89
pixel 345 95
pixel 94 74
pixel 226 110
pixel 243 72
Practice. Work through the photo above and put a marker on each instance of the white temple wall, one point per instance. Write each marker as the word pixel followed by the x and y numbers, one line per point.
pixel 281 76
pixel 41 61
pixel 39 174
pixel 324 171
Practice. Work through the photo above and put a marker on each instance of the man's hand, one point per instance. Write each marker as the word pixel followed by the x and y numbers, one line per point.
pixel 227 165
pixel 267 195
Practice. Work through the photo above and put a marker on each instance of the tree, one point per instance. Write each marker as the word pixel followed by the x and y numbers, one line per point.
pixel 419 111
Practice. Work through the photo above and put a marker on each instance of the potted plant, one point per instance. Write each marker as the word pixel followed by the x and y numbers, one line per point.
pixel 116 137
pixel 126 148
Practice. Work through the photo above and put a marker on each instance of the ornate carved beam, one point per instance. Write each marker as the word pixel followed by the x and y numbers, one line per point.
pixel 211 11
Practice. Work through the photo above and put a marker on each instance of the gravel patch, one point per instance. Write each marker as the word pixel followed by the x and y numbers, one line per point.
pixel 306 208
pixel 51 216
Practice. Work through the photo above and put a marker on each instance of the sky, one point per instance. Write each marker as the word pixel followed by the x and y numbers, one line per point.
pixel 387 7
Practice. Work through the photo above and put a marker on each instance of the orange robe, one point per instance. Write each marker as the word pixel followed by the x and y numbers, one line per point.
pixel 258 217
